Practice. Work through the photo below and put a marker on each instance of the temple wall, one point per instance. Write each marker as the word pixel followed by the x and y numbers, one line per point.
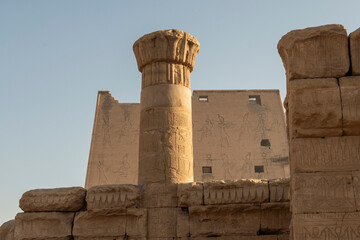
pixel 227 139
pixel 114 150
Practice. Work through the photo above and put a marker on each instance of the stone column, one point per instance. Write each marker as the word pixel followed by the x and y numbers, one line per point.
pixel 165 59
pixel 324 132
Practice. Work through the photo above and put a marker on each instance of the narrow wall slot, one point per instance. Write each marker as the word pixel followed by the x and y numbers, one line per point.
pixel 255 99
pixel 206 169
pixel 259 169
pixel 203 98
pixel 265 143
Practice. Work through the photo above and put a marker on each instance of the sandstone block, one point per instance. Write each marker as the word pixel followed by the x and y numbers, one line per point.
pixel 315 108
pixel 240 191
pixel 99 226
pixel 43 225
pixel 224 220
pixel 275 218
pixel 166 46
pixel 350 97
pixel 159 195
pixel 136 223
pixel 260 237
pixel 322 192
pixel 182 223
pixel 50 200
pixel 337 226
pixel 112 198
pixel 316 52
pixel 162 222
pixel 325 154
pixel 7 230
pixel 356 184
pixel 190 194
pixel 354 39
pixel 279 190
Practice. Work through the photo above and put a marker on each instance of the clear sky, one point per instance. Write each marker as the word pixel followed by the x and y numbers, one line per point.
pixel 55 56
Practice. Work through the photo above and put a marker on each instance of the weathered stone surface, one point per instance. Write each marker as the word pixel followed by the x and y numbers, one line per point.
pixel 241 191
pixel 356 184
pixel 279 190
pixel 162 222
pixel 190 194
pixel 350 99
pixel 182 223
pixel 316 52
pixel 329 226
pixel 325 154
pixel 98 226
pixel 112 198
pixel 51 200
pixel 43 225
pixel 240 237
pixel 323 192
pixel 275 218
pixel 136 223
pixel 173 46
pixel 354 39
pixel 159 195
pixel 230 220
pixel 7 230
pixel 314 108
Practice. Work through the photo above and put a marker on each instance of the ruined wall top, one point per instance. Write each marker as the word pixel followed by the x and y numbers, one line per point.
pixel 172 46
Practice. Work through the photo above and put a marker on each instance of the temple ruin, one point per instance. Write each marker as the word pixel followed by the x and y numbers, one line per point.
pixel 320 201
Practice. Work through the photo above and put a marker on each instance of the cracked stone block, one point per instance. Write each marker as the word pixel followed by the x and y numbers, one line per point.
pixel 190 194
pixel 112 198
pixel 315 52
pixel 314 108
pixel 240 191
pixel 182 223
pixel 89 225
pixel 279 190
pixel 322 192
pixel 224 220
pixel 44 225
pixel 159 195
pixel 51 200
pixel 162 222
pixel 136 223
pixel 330 226
pixel 350 96
pixel 275 218
pixel 354 39
pixel 325 154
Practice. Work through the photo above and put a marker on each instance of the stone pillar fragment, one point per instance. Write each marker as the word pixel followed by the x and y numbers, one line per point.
pixel 354 39
pixel 166 59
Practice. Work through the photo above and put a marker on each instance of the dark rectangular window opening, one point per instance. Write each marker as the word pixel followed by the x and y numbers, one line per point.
pixel 255 99
pixel 265 143
pixel 206 169
pixel 203 98
pixel 259 169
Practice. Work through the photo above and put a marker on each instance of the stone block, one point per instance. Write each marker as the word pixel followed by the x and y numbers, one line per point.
pixel 89 225
pixel 182 223
pixel 224 220
pixel 260 237
pixel 316 52
pixel 43 225
pixel 136 223
pixel 7 230
pixel 190 194
pixel 322 192
pixel 51 200
pixel 350 98
pixel 354 39
pixel 283 237
pixel 314 108
pixel 279 190
pixel 329 226
pixel 356 184
pixel 112 198
pixel 232 192
pixel 162 222
pixel 159 195
pixel 325 154
pixel 275 218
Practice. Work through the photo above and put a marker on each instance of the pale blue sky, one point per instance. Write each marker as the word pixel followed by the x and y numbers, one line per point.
pixel 55 56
